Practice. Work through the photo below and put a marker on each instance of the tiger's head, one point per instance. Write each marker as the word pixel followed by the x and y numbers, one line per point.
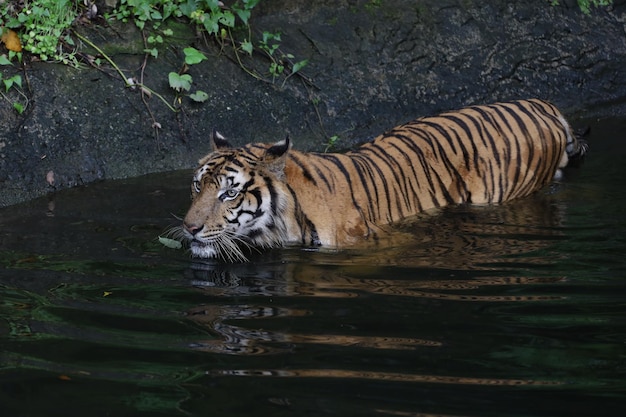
pixel 238 200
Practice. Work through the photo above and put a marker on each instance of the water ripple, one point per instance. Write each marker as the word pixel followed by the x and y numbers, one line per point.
pixel 380 376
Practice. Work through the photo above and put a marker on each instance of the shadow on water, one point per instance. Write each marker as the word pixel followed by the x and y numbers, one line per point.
pixel 513 310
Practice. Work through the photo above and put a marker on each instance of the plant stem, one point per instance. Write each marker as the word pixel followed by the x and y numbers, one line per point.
pixel 232 41
pixel 127 83
pixel 101 52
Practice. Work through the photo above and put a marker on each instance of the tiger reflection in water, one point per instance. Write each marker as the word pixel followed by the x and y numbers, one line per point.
pixel 454 254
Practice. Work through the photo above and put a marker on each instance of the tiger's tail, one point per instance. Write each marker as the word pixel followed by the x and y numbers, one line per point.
pixel 575 148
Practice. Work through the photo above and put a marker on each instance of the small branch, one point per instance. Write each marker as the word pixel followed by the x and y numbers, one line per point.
pixel 127 83
pixel 241 65
pixel 155 125
pixel 105 56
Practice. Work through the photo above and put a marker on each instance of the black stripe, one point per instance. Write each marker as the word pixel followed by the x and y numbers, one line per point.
pixel 550 116
pixel 309 229
pixel 332 158
pixel 318 159
pixel 396 170
pixel 305 171
pixel 360 167
pixel 426 166
pixel 273 195
pixel 502 119
pixel 415 192
pixel 468 137
pixel 256 193
pixel 453 142
pixel 515 114
pixel 444 158
pixel 387 188
pixel 501 162
pixel 481 124
pixel 237 162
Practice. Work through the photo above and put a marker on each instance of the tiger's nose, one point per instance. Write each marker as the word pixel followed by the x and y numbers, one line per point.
pixel 191 228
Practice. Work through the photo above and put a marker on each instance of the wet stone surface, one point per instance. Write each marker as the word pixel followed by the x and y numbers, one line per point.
pixel 370 68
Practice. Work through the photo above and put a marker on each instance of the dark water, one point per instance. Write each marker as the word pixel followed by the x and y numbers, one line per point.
pixel 516 310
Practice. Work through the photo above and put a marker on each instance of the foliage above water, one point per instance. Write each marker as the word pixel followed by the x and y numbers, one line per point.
pixel 44 28
pixel 585 5
pixel 14 84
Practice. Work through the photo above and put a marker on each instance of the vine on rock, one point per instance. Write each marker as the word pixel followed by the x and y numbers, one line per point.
pixel 46 29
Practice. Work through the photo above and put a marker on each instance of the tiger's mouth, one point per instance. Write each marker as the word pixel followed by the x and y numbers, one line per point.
pixel 221 246
pixel 203 249
pixel 199 242
pixel 202 242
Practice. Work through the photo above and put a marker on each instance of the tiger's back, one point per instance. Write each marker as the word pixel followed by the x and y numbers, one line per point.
pixel 479 155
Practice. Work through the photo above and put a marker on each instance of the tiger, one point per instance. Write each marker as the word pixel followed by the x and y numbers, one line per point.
pixel 267 195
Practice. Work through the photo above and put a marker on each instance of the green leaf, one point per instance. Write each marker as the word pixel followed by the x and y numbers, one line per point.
pixel 199 96
pixel 246 46
pixel 170 243
pixel 17 79
pixel 213 5
pixel 4 60
pixel 18 107
pixel 244 15
pixel 193 56
pixel 8 83
pixel 276 69
pixel 227 19
pixel 188 7
pixel 153 52
pixel 179 82
pixel 13 54
pixel 155 39
pixel 299 65
pixel 250 4
pixel 211 24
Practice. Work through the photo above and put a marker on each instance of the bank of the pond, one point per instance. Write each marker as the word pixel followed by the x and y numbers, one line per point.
pixel 371 65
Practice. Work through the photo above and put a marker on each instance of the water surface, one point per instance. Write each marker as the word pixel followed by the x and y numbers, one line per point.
pixel 512 310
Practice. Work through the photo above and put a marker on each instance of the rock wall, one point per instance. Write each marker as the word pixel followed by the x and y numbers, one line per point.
pixel 372 65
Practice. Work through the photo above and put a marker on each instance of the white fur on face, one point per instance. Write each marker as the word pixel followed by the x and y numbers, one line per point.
pixel 240 213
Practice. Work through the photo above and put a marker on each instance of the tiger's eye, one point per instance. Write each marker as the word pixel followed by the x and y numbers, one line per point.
pixel 229 194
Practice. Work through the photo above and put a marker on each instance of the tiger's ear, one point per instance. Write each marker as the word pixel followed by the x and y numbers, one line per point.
pixel 218 141
pixel 275 157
